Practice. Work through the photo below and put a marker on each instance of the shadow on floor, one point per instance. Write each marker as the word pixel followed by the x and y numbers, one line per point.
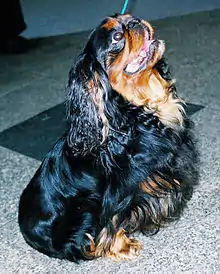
pixel 35 136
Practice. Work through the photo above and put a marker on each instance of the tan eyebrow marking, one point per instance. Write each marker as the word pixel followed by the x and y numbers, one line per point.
pixel 110 24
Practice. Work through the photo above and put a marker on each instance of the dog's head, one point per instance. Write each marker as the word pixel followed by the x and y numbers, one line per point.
pixel 122 55
pixel 128 51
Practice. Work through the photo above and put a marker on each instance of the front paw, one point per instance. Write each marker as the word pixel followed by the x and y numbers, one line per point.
pixel 123 248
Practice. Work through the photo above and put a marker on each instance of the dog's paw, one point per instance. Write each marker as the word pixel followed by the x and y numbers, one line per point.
pixel 123 248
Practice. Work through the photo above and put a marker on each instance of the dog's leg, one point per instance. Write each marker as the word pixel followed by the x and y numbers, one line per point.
pixel 159 202
pixel 123 248
pixel 119 247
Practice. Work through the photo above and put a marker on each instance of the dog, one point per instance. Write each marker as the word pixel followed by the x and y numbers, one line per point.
pixel 127 161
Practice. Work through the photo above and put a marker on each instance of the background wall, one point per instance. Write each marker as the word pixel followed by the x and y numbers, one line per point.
pixel 53 17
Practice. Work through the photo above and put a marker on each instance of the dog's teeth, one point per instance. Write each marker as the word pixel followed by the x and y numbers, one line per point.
pixel 132 68
pixel 143 53
pixel 135 62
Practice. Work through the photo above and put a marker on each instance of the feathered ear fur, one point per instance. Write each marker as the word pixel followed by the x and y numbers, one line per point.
pixel 87 93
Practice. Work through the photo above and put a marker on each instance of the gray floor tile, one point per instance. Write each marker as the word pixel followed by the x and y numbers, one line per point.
pixel 51 58
pixel 15 173
pixel 193 45
pixel 26 102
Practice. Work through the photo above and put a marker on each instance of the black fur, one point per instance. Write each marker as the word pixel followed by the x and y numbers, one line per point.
pixel 83 182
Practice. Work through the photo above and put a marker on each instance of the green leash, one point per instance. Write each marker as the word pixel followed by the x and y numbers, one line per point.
pixel 124 7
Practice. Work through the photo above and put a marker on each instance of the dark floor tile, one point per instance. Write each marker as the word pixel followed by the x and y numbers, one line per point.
pixel 35 136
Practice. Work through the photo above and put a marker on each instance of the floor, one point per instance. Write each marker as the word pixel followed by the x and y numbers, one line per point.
pixel 31 95
pixel 55 17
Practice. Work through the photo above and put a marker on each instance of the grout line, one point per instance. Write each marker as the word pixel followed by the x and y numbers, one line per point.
pixel 10 221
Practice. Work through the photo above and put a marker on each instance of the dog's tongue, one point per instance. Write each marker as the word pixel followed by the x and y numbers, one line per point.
pixel 145 48
pixel 135 64
pixel 146 45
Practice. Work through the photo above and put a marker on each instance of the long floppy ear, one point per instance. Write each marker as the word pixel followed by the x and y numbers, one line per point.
pixel 87 93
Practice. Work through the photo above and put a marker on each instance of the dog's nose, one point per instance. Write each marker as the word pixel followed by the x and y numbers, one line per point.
pixel 134 22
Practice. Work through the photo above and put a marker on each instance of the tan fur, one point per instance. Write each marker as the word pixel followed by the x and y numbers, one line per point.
pixel 149 89
pixel 153 187
pixel 96 94
pixel 146 88
pixel 121 247
pixel 161 101
pixel 111 24
pixel 102 244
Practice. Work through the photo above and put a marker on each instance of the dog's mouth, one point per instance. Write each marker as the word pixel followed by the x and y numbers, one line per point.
pixel 145 55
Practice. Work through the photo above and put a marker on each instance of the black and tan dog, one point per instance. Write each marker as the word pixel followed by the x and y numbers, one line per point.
pixel 127 161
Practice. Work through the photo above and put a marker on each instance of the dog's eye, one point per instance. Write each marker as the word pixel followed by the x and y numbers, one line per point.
pixel 117 36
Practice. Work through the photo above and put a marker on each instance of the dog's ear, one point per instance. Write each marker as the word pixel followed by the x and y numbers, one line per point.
pixel 87 93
